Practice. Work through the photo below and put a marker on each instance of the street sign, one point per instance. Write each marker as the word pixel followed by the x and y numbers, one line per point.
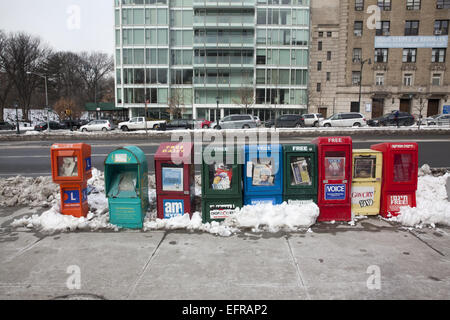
pixel 446 110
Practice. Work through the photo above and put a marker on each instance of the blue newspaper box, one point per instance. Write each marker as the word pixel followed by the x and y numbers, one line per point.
pixel 263 174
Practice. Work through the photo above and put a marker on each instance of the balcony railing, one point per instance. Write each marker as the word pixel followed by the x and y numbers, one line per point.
pixel 226 40
pixel 225 19
pixel 224 60
pixel 232 80
pixel 233 3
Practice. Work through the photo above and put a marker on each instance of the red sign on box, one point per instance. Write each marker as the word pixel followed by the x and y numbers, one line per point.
pixel 396 202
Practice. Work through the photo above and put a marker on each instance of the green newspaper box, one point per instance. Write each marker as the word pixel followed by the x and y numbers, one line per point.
pixel 221 182
pixel 126 186
pixel 300 173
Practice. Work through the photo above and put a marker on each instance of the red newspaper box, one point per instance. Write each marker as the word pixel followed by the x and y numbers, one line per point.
pixel 71 162
pixel 175 179
pixel 335 178
pixel 400 175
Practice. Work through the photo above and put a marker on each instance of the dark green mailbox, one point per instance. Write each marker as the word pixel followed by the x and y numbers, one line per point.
pixel 300 173
pixel 221 182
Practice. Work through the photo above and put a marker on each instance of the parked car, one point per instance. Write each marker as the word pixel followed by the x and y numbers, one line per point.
pixel 237 121
pixel 312 119
pixel 74 124
pixel 203 123
pixel 7 126
pixel 53 126
pixel 439 119
pixel 287 121
pixel 344 119
pixel 98 125
pixel 138 123
pixel 178 124
pixel 258 121
pixel 404 119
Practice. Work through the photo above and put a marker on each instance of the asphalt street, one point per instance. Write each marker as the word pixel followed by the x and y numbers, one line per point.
pixel 33 158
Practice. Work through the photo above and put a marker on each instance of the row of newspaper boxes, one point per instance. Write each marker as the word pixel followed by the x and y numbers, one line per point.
pixel 328 172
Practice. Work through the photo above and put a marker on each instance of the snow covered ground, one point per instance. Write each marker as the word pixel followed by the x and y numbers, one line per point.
pixel 432 209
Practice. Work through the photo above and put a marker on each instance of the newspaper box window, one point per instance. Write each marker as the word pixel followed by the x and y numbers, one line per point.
pixel 221 182
pixel 300 168
pixel 400 176
pixel 335 178
pixel 71 169
pixel 126 186
pixel 366 184
pixel 263 182
pixel 175 179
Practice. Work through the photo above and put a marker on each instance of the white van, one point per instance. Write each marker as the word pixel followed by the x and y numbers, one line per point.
pixel 345 119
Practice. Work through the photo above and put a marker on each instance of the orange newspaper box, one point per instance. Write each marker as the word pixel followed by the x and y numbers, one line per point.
pixel 71 169
pixel 74 200
pixel 71 163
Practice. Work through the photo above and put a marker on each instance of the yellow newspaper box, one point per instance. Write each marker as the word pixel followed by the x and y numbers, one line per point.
pixel 366 185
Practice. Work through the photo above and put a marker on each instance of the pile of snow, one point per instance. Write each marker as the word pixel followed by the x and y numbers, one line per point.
pixel 23 191
pixel 433 206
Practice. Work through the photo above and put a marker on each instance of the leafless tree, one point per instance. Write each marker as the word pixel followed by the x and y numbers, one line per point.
pixel 21 54
pixel 420 109
pixel 245 94
pixel 176 103
pixel 5 83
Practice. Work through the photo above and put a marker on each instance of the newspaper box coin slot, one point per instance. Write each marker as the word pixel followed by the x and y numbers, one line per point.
pixel 400 176
pixel 126 187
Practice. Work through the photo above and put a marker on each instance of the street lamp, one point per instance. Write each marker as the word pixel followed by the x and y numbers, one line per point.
pixel 217 111
pixel 17 118
pixel 360 79
pixel 46 96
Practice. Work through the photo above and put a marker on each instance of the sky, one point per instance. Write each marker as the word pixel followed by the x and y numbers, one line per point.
pixel 65 25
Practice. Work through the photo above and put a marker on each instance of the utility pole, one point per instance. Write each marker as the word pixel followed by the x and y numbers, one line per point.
pixel 46 97
pixel 360 79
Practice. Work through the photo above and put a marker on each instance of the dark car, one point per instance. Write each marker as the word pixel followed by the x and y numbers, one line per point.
pixel 74 124
pixel 287 121
pixel 404 119
pixel 178 124
pixel 53 126
pixel 7 126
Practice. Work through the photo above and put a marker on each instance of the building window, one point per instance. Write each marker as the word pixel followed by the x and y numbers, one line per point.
pixel 319 46
pixel 413 5
pixel 328 76
pixel 359 5
pixel 319 66
pixel 356 77
pixel 412 28
pixel 436 79
pixel 441 27
pixel 358 28
pixel 409 55
pixel 320 34
pixel 438 55
pixel 384 5
pixel 319 87
pixel 329 55
pixel 408 79
pixel 443 4
pixel 329 34
pixel 381 55
pixel 357 54
pixel 379 79
pixel 383 28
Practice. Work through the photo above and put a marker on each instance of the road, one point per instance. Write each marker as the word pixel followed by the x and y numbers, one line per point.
pixel 33 158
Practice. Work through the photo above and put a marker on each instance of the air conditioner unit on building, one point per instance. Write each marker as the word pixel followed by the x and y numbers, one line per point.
pixel 438 32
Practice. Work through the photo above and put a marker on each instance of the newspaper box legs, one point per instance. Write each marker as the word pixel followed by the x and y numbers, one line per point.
pixel 400 175
pixel 71 169
pixel 126 186
pixel 366 185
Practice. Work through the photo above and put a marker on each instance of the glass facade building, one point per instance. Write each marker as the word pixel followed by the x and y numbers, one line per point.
pixel 245 54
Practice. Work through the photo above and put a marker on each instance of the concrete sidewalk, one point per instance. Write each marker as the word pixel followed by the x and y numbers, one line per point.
pixel 333 262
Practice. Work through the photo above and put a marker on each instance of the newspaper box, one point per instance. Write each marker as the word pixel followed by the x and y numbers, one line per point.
pixel 263 174
pixel 71 163
pixel 221 182
pixel 366 184
pixel 175 179
pixel 71 169
pixel 334 186
pixel 300 173
pixel 400 175
pixel 126 186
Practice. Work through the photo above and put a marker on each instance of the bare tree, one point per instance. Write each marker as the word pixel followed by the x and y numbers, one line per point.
pixel 66 108
pixel 21 54
pixel 420 109
pixel 176 103
pixel 5 83
pixel 93 69
pixel 245 94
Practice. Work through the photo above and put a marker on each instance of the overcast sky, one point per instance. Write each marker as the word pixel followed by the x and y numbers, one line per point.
pixel 73 25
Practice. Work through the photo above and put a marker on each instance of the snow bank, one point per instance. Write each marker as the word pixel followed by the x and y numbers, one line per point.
pixel 433 206
pixel 22 191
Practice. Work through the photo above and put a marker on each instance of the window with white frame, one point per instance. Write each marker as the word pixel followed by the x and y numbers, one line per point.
pixel 356 77
pixel 408 79
pixel 357 54
pixel 384 5
pixel 441 27
pixel 358 28
pixel 436 79
pixel 381 55
pixel 438 55
pixel 379 79
pixel 409 55
pixel 359 5
pixel 413 4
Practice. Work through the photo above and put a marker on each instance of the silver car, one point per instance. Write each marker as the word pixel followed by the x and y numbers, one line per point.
pixel 312 119
pixel 439 119
pixel 237 121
